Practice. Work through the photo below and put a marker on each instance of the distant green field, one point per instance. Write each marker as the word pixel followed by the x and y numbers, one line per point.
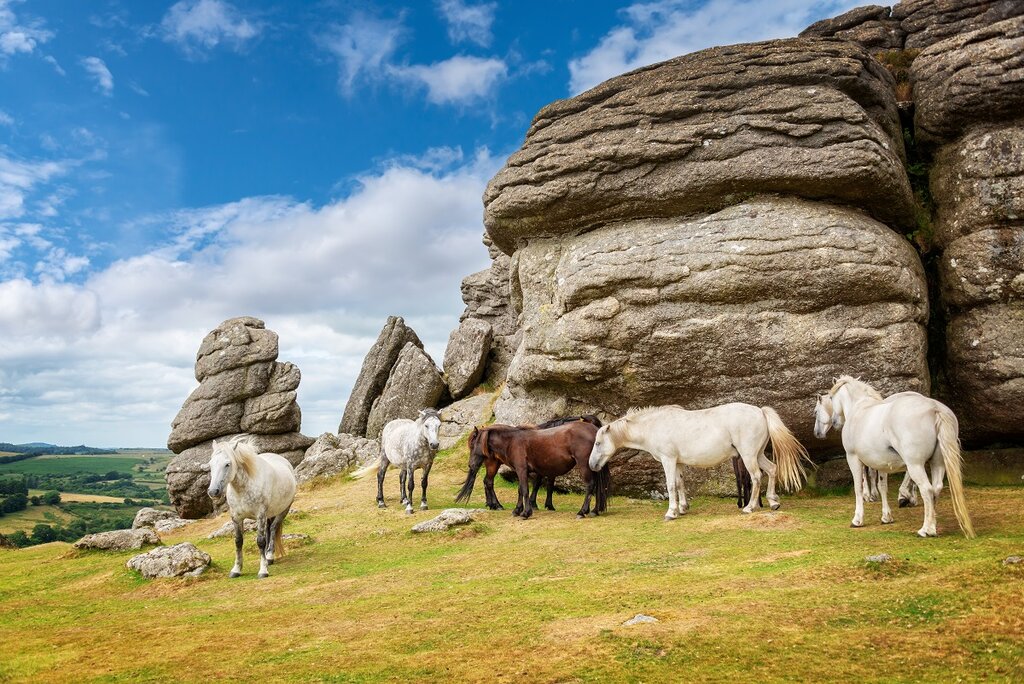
pixel 70 465
pixel 30 517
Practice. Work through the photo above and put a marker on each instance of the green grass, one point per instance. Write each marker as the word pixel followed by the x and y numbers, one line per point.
pixel 30 517
pixel 784 596
pixel 69 465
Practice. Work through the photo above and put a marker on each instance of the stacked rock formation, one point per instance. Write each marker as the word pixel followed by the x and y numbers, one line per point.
pixel 486 295
pixel 243 389
pixel 969 95
pixel 672 247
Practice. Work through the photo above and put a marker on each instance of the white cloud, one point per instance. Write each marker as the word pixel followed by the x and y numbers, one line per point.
pixel 6 119
pixel 460 79
pixel 200 25
pixel 19 35
pixel 97 69
pixel 363 48
pixel 19 178
pixel 468 22
pixel 656 31
pixel 52 61
pixel 114 352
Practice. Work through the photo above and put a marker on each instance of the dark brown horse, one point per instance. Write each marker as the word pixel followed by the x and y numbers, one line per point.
pixel 548 503
pixel 743 483
pixel 546 453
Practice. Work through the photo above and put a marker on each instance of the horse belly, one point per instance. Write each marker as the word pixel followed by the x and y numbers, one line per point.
pixel 706 448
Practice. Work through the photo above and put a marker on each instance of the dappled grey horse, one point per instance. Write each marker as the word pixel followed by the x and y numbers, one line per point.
pixel 408 445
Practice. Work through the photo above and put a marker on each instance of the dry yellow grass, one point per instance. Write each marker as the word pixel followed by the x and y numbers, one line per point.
pixel 70 496
pixel 783 596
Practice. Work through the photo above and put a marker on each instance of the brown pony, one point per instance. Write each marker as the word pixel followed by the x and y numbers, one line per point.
pixel 547 453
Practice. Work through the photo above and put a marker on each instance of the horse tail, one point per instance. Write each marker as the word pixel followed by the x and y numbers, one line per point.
pixel 368 468
pixel 467 486
pixel 604 481
pixel 949 446
pixel 788 451
pixel 279 540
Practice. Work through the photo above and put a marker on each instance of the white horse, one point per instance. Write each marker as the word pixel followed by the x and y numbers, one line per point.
pixel 408 445
pixel 258 486
pixel 873 480
pixel 704 439
pixel 905 431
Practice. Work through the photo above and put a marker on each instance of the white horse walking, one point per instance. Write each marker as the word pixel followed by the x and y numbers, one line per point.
pixel 408 445
pixel 676 436
pixel 260 487
pixel 906 430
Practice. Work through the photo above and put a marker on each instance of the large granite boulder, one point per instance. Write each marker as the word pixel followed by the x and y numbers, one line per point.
pixel 978 182
pixel 814 118
pixel 170 561
pixel 242 389
pixel 118 540
pixel 414 384
pixel 969 79
pixel 149 517
pixel 926 22
pixel 871 26
pixel 332 455
pixel 486 294
pixel 460 417
pixel 188 473
pixel 373 376
pixel 466 356
pixel 764 302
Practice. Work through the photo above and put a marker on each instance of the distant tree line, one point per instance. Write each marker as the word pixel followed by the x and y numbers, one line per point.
pixel 112 483
pixel 23 451
pixel 89 519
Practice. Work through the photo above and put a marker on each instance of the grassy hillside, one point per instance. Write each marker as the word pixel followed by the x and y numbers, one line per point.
pixel 768 597
pixel 69 465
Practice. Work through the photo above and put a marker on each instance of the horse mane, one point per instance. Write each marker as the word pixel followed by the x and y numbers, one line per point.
pixel 243 454
pixel 860 384
pixel 639 411
pixel 428 413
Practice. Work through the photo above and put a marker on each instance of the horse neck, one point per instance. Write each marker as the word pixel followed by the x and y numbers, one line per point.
pixel 852 399
pixel 622 434
pixel 240 481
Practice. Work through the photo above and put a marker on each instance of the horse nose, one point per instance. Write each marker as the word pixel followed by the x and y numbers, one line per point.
pixel 434 445
pixel 213 492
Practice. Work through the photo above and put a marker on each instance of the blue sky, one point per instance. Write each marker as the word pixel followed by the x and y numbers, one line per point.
pixel 167 165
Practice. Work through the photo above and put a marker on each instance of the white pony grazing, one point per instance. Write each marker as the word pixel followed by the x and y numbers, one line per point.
pixel 260 487
pixel 408 445
pixel 906 430
pixel 704 439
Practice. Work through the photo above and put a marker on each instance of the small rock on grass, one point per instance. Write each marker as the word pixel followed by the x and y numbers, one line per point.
pixel 640 619
pixel 448 518
pixel 170 561
pixel 297 537
pixel 228 529
pixel 880 558
pixel 1013 560
pixel 118 540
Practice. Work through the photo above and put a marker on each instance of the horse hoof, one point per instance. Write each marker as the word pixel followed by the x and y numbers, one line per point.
pixel 890 521
pixel 904 503
pixel 669 517
pixel 593 514
pixel 775 506
pixel 381 504
pixel 235 574
pixel 263 575
pixel 549 508
pixel 580 516
pixel 856 525
pixel 408 510
pixel 270 561
pixel 423 506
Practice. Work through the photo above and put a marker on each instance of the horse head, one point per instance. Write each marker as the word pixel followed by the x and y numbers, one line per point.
pixel 825 416
pixel 429 421
pixel 603 449
pixel 222 468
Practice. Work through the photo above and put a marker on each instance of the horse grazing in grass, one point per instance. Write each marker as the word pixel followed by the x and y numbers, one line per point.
pixel 547 453
pixel 408 445
pixel 676 436
pixel 904 431
pixel 257 486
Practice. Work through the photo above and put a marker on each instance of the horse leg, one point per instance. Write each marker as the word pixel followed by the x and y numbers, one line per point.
pixel 883 494
pixel 671 483
pixel 938 473
pixel 402 475
pixel 524 482
pixel 381 472
pixel 590 482
pixel 261 542
pixel 857 469
pixel 684 501
pixel 750 461
pixel 426 474
pixel 270 540
pixel 551 489
pixel 491 496
pixel 908 492
pixel 773 471
pixel 239 527
pixel 924 485
pixel 871 484
pixel 741 486
pixel 410 480
pixel 534 489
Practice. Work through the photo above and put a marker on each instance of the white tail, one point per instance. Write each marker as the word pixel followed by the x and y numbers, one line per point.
pixel 788 451
pixel 365 470
pixel 949 446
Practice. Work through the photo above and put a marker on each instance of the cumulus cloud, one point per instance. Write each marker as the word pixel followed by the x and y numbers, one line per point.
pixel 655 31
pixel 460 79
pixel 197 26
pixel 19 35
pixel 98 71
pixel 120 342
pixel 365 49
pixel 468 22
